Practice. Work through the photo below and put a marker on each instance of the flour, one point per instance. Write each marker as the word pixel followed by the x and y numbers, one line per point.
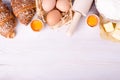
pixel 109 8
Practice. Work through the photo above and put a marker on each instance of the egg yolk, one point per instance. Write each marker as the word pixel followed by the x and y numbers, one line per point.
pixel 92 20
pixel 36 25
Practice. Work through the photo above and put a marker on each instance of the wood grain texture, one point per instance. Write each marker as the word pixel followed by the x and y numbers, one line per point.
pixel 51 55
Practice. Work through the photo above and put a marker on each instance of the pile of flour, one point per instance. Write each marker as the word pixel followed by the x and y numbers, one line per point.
pixel 109 8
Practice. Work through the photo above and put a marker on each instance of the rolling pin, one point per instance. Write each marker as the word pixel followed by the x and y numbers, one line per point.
pixel 81 8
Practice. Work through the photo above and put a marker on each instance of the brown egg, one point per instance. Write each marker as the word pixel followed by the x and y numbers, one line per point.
pixel 48 5
pixel 53 17
pixel 63 5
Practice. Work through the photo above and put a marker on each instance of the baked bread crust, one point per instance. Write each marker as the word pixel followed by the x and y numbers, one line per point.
pixel 7 22
pixel 24 10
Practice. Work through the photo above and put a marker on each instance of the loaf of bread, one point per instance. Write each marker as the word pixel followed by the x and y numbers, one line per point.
pixel 24 10
pixel 7 21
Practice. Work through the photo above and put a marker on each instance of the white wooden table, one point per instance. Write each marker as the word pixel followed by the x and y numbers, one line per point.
pixel 51 55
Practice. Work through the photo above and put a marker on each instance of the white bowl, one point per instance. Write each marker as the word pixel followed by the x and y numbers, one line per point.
pixel 109 9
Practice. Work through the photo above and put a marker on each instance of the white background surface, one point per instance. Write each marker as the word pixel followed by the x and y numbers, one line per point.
pixel 51 55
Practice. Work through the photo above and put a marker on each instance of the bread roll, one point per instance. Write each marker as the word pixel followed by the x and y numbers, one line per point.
pixel 24 10
pixel 7 22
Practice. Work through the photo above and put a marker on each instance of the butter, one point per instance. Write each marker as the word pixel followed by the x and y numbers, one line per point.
pixel 116 34
pixel 117 26
pixel 108 27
